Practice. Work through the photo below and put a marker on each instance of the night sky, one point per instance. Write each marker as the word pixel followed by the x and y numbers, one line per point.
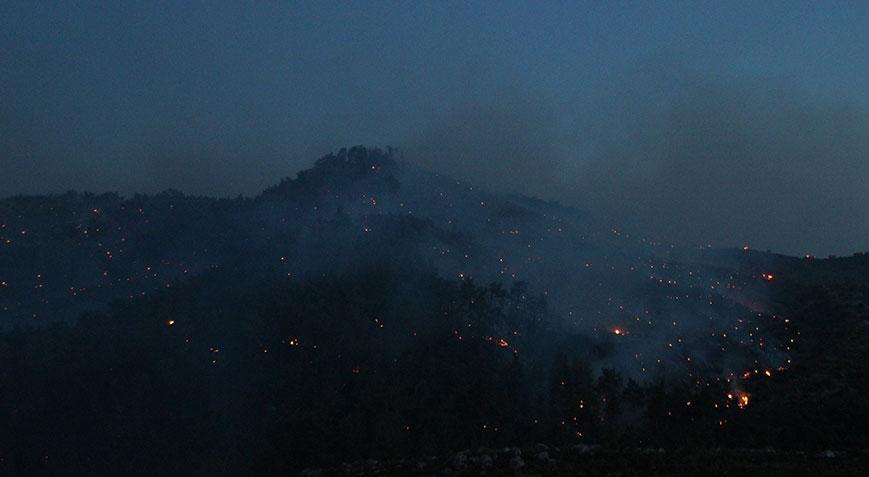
pixel 727 123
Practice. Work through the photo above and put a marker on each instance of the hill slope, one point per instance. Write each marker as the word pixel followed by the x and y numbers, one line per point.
pixel 368 308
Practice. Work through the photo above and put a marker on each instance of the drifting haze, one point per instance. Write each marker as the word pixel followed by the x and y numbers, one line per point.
pixel 757 133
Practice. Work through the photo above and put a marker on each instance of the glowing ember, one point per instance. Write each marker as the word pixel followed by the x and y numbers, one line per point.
pixel 767 276
pixel 617 331
pixel 742 399
pixel 171 322
pixel 502 343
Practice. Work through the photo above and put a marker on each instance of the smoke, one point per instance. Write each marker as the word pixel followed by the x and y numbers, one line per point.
pixel 504 143
pixel 680 156
pixel 688 158
pixel 704 160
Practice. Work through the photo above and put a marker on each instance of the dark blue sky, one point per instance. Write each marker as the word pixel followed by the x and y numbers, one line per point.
pixel 722 122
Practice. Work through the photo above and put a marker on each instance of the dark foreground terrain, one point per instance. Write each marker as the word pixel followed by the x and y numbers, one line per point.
pixel 587 460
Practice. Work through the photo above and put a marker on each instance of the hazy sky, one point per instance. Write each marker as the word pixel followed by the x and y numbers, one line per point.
pixel 721 122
